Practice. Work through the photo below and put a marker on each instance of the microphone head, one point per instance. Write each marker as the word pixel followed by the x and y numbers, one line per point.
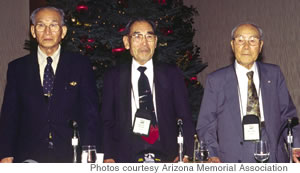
pixel 73 124
pixel 179 122
pixel 293 121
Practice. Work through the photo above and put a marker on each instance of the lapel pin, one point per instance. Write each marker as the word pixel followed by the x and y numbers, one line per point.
pixel 269 81
pixel 73 83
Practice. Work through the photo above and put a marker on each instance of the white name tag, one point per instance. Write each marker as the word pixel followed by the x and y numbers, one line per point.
pixel 141 126
pixel 251 132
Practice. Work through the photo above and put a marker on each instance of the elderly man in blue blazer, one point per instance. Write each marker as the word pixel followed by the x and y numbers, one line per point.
pixel 44 91
pixel 128 137
pixel 225 104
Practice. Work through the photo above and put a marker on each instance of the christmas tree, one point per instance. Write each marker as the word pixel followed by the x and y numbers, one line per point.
pixel 95 29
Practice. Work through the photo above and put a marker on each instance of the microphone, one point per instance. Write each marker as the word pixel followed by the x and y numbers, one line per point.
pixel 73 124
pixel 180 124
pixel 180 140
pixel 292 122
pixel 75 139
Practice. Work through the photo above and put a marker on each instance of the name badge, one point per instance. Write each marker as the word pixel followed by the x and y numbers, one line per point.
pixel 251 128
pixel 142 122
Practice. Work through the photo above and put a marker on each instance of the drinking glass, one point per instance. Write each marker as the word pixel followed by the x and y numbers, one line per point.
pixel 202 152
pixel 89 154
pixel 261 153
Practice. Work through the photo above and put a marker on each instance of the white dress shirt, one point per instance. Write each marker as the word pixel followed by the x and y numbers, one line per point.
pixel 241 73
pixel 42 60
pixel 135 75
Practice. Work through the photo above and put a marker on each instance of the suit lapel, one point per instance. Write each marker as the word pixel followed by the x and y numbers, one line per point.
pixel 160 84
pixel 232 94
pixel 264 81
pixel 34 74
pixel 125 95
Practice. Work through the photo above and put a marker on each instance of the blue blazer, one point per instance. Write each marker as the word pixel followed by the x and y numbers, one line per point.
pixel 219 121
pixel 27 117
pixel 171 103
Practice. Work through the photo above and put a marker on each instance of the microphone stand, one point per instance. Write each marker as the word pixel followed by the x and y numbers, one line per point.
pixel 290 140
pixel 75 139
pixel 75 145
pixel 180 140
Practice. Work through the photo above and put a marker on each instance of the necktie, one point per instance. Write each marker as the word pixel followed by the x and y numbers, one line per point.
pixel 48 78
pixel 252 101
pixel 146 103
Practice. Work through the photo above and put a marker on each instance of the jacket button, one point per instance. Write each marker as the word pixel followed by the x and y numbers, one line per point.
pixel 239 161
pixel 241 143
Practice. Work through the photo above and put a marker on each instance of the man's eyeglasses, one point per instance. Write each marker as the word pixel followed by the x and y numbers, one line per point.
pixel 252 41
pixel 53 27
pixel 139 37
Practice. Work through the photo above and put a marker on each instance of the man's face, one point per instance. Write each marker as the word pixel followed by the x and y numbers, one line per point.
pixel 247 45
pixel 48 29
pixel 141 41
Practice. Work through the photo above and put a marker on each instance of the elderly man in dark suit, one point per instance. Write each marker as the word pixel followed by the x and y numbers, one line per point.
pixel 142 101
pixel 229 98
pixel 44 91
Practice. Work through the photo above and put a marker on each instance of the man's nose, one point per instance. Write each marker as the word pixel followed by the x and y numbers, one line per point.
pixel 47 29
pixel 246 44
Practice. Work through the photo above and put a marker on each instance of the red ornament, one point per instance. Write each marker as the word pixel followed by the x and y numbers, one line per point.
pixel 91 40
pixel 121 29
pixel 170 31
pixel 193 78
pixel 121 49
pixel 166 31
pixel 82 8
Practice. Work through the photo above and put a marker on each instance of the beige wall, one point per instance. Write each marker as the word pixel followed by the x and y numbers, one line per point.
pixel 14 17
pixel 279 19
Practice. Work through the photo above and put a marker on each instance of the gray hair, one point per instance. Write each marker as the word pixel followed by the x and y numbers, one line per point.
pixel 247 23
pixel 138 19
pixel 58 10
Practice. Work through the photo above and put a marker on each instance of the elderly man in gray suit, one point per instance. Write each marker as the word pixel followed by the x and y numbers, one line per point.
pixel 227 102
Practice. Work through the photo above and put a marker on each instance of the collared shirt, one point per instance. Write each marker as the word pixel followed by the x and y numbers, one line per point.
pixel 135 75
pixel 42 60
pixel 241 73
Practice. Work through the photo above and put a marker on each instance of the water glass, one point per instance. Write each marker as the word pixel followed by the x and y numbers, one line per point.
pixel 89 154
pixel 202 152
pixel 261 153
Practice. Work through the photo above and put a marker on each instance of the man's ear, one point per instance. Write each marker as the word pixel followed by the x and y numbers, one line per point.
pixel 32 30
pixel 126 42
pixel 232 47
pixel 64 31
pixel 261 45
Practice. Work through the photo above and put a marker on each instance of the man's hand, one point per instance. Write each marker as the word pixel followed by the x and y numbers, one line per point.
pixel 295 155
pixel 109 161
pixel 185 159
pixel 214 160
pixel 7 160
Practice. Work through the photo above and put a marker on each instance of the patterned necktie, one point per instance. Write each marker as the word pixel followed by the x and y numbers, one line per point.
pixel 252 101
pixel 48 78
pixel 146 103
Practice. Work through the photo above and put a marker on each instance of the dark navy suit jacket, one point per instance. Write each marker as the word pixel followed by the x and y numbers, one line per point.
pixel 27 117
pixel 171 103
pixel 219 122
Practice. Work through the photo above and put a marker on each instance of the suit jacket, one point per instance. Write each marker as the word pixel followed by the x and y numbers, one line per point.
pixel 219 121
pixel 27 116
pixel 171 103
